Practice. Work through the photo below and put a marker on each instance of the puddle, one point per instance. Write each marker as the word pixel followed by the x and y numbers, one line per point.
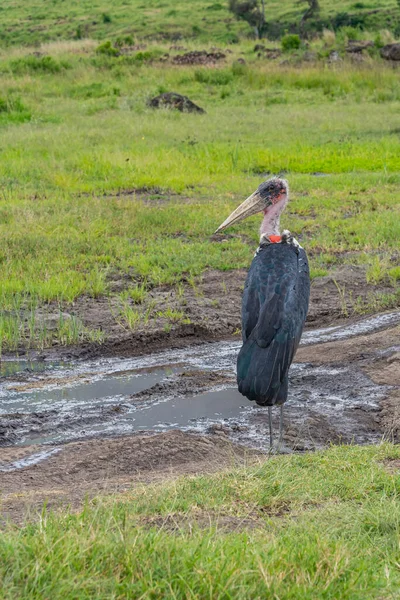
pixel 9 368
pixel 342 332
pixel 28 461
pixel 52 404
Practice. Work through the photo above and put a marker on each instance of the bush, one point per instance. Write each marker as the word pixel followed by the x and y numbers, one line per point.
pixel 127 40
pixel 344 19
pixel 106 18
pixel 229 38
pixel 216 6
pixel 107 48
pixel 290 41
pixel 146 56
pixel 12 110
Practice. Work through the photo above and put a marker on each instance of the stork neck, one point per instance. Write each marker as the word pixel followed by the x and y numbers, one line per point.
pixel 271 221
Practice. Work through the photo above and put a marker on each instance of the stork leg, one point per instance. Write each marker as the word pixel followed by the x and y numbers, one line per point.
pixel 280 425
pixel 271 441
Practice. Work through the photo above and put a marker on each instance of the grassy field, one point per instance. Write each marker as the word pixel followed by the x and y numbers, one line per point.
pixel 323 525
pixel 76 131
pixel 28 21
pixel 96 187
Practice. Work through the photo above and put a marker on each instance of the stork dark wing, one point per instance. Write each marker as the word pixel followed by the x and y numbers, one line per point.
pixel 274 309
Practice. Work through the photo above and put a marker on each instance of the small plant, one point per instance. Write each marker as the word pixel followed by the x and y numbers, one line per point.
pixel 106 18
pixel 129 316
pixel 329 38
pixel 342 298
pixel 79 33
pixel 229 38
pixel 107 49
pixel 394 275
pixel 215 6
pixel 213 77
pixel 173 316
pixel 137 294
pixel 290 41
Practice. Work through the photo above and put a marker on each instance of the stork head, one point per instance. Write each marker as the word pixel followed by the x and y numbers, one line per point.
pixel 270 198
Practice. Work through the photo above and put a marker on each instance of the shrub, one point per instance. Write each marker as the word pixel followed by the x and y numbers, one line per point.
pixel 106 18
pixel 127 40
pixel 216 6
pixel 12 110
pixel 290 41
pixel 107 48
pixel 146 56
pixel 229 38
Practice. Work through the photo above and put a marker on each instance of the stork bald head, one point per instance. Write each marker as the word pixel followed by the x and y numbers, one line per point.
pixel 270 198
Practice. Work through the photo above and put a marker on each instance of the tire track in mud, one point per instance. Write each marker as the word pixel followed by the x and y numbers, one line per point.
pixel 186 411
pixel 193 389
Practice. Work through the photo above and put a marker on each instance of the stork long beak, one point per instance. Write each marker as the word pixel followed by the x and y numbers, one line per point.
pixel 254 204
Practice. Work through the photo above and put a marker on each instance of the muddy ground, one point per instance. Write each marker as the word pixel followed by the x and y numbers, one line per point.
pixel 345 388
pixel 212 305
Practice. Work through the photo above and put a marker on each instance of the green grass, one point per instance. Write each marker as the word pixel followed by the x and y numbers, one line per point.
pixel 29 22
pixel 327 527
pixel 90 134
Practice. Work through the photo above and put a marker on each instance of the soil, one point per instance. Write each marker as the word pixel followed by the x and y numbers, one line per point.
pixel 363 369
pixel 212 305
pixel 362 373
pixel 84 469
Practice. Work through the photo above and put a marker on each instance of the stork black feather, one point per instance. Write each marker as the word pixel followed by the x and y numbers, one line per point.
pixel 274 309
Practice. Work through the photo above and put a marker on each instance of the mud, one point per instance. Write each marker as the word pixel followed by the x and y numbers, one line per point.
pixel 212 305
pixel 104 424
pixel 81 470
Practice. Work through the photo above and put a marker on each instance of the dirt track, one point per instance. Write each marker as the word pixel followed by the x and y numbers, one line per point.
pixel 341 391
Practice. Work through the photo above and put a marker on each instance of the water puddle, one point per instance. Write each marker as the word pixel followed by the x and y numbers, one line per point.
pixel 44 403
pixel 28 461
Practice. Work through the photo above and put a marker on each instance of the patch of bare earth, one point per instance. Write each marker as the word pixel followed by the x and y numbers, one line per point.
pixel 176 523
pixel 83 469
pixel 211 310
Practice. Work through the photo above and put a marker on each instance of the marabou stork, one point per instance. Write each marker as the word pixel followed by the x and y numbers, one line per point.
pixel 275 301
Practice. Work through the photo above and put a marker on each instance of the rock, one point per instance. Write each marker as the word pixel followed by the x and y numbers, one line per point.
pixel 334 57
pixel 270 53
pixel 240 61
pixel 198 57
pixel 309 56
pixel 357 47
pixel 173 100
pixel 391 51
